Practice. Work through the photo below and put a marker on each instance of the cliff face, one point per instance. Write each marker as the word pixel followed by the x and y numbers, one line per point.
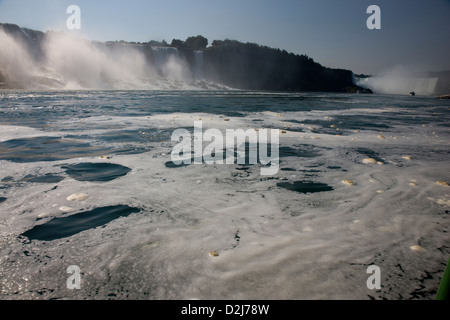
pixel 30 59
pixel 250 66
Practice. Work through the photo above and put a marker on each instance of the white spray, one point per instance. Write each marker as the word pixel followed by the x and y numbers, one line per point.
pixel 400 80
pixel 71 62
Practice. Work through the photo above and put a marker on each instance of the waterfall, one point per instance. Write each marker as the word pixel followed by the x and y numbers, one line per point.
pixel 198 65
pixel 425 86
pixel 401 81
pixel 169 64
pixel 34 60
pixel 163 55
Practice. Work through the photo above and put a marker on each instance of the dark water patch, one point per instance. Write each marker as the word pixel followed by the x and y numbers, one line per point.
pixel 64 227
pixel 315 165
pixel 77 137
pixel 294 121
pixel 54 188
pixel 227 103
pixel 2 199
pixel 337 168
pixel 57 148
pixel 367 122
pixel 444 124
pixel 99 172
pixel 287 169
pixel 329 131
pixel 292 129
pixel 138 135
pixel 7 179
pixel 305 186
pixel 300 151
pixel 45 149
pixel 171 164
pixel 350 122
pixel 47 178
pixel 325 128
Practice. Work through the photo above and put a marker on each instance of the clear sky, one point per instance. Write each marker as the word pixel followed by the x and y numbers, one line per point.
pixel 414 33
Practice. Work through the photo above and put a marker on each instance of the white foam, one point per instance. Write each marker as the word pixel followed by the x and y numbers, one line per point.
pixel 8 132
pixel 77 197
pixel 270 241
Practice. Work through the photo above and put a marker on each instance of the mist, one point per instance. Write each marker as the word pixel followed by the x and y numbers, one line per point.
pixel 66 61
pixel 401 80
pixel 16 66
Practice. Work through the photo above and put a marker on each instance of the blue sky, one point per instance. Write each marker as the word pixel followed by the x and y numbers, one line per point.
pixel 414 33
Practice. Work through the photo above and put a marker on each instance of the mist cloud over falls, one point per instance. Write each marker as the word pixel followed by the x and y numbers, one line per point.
pixel 401 80
pixel 33 60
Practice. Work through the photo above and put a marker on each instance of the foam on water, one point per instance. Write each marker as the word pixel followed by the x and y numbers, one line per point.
pixel 271 243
